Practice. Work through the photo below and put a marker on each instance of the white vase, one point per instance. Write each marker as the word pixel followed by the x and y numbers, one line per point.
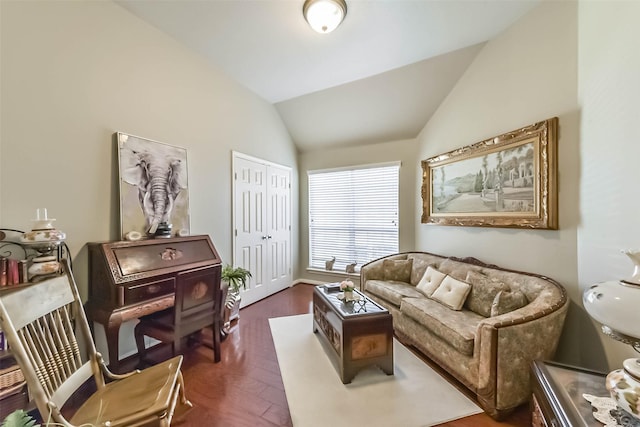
pixel 231 309
pixel 614 304
pixel 348 295
pixel 43 268
pixel 624 386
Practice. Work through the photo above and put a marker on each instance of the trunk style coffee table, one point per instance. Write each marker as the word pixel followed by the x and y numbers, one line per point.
pixel 360 332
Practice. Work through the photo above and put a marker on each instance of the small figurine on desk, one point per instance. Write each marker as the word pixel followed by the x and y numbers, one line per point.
pixel 133 236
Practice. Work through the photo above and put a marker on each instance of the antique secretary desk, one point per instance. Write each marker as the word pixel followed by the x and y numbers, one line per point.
pixel 129 280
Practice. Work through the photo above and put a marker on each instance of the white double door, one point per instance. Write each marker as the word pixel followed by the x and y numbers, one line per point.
pixel 262 225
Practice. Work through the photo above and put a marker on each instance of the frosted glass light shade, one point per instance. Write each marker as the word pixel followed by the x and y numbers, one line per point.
pixel 615 305
pixel 324 16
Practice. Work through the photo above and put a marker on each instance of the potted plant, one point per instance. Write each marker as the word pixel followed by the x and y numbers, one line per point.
pixel 19 418
pixel 235 277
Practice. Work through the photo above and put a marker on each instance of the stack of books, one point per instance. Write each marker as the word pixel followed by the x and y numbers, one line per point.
pixel 12 271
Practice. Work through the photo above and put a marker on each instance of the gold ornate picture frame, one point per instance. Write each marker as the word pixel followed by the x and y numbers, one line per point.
pixel 506 181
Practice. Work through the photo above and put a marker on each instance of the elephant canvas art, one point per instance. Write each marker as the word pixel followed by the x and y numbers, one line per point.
pixel 153 186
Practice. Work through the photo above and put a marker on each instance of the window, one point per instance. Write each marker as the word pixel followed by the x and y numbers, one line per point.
pixel 353 215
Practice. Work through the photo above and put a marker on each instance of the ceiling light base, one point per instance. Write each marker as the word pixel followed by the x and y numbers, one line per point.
pixel 324 16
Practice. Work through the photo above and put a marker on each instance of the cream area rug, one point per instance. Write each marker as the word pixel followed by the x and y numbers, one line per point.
pixel 415 396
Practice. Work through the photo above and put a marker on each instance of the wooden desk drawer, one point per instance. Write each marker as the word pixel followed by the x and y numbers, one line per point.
pixel 145 291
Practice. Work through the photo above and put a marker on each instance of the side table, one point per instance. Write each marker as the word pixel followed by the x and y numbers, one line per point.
pixel 557 395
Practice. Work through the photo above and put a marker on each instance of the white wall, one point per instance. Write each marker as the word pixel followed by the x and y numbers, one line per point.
pixel 525 75
pixel 609 90
pixel 73 73
pixel 404 151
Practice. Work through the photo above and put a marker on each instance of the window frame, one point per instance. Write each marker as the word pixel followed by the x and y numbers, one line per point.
pixel 317 258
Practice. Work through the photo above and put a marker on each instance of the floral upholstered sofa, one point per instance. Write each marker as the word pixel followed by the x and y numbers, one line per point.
pixel 481 323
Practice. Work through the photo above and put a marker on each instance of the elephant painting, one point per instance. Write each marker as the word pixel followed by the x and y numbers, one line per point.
pixel 153 185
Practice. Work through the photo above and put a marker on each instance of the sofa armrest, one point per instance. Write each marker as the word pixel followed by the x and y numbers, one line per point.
pixel 374 270
pixel 507 345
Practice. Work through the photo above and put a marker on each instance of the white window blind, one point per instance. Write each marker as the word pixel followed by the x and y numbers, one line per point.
pixel 353 215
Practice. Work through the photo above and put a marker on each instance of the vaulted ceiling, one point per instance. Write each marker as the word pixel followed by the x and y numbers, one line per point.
pixel 378 77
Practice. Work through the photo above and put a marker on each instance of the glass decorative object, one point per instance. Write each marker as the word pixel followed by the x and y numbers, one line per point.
pixel 614 304
pixel 44 239
pixel 634 256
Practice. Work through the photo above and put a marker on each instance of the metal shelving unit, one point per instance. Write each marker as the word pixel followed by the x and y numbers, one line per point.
pixel 14 393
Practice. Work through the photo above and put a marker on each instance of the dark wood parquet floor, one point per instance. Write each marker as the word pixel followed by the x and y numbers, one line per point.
pixel 245 389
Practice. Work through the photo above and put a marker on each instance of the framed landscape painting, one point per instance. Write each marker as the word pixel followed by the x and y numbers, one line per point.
pixel 506 181
pixel 153 187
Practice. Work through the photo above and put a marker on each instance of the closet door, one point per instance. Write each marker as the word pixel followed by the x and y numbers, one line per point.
pixel 250 228
pixel 279 228
pixel 262 225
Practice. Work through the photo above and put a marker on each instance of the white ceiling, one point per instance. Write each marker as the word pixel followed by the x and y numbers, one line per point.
pixel 378 77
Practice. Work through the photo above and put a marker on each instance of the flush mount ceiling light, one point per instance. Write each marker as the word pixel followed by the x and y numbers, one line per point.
pixel 324 16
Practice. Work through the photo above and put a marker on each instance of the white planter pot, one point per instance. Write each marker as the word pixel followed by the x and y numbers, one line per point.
pixel 231 309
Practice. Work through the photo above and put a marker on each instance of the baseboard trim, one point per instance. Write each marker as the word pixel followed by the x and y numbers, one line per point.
pixel 307 282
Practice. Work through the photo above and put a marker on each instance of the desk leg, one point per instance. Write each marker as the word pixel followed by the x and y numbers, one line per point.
pixel 112 332
pixel 111 322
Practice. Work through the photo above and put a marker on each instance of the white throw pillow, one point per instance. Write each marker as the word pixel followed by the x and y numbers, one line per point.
pixel 430 281
pixel 452 293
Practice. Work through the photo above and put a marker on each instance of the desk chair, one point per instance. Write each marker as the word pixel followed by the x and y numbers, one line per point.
pixel 198 304
pixel 46 327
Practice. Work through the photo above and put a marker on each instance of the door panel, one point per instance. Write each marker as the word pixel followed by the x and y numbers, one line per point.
pixel 262 220
pixel 249 245
pixel 279 226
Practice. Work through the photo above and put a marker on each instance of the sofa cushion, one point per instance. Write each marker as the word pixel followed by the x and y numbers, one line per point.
pixel 420 263
pixel 506 301
pixel 458 328
pixel 430 281
pixel 456 269
pixel 398 270
pixel 391 291
pixel 452 293
pixel 483 292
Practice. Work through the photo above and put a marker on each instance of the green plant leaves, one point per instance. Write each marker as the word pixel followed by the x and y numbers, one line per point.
pixel 235 276
pixel 19 418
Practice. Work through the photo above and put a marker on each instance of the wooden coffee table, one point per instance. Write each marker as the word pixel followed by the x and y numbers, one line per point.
pixel 359 332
